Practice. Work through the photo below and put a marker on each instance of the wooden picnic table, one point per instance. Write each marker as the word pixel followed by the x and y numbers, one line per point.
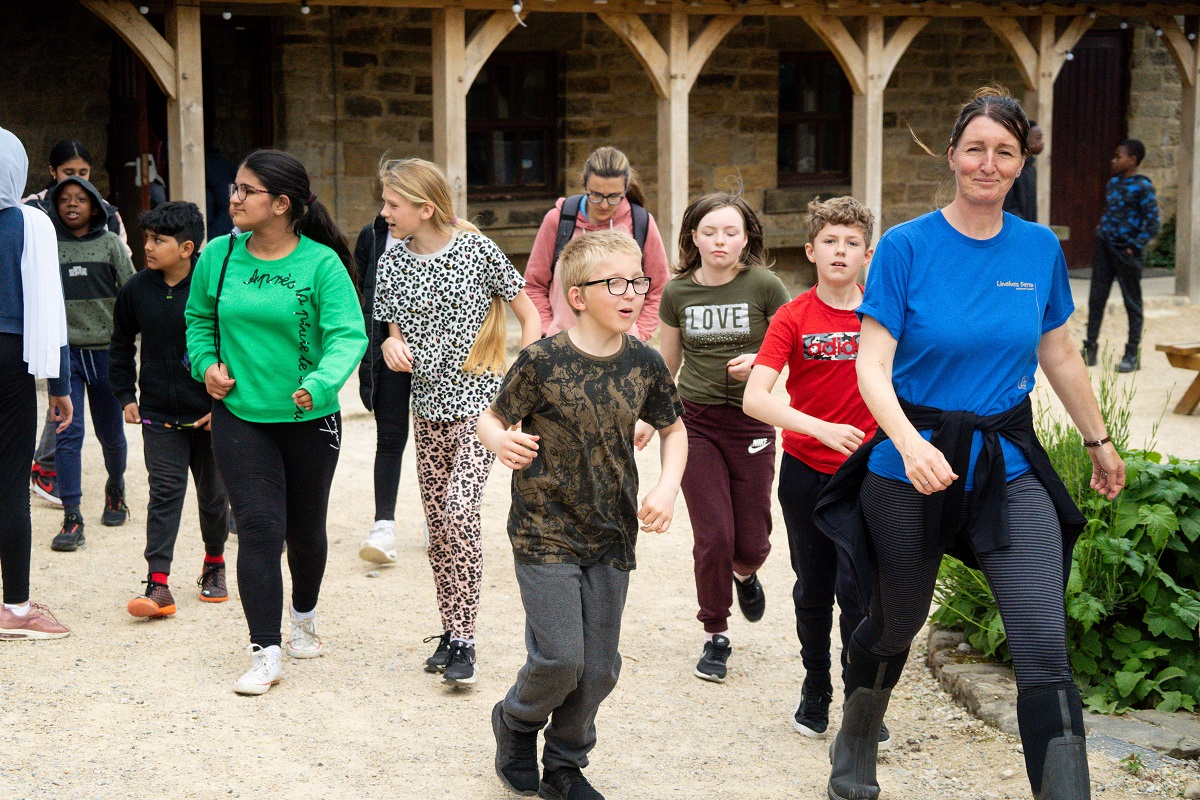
pixel 1185 355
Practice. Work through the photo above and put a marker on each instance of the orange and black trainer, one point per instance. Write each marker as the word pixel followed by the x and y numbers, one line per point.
pixel 212 583
pixel 156 602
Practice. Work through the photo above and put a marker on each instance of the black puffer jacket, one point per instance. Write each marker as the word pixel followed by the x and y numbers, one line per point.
pixel 372 241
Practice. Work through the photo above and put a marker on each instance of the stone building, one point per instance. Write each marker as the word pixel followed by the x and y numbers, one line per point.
pixel 771 110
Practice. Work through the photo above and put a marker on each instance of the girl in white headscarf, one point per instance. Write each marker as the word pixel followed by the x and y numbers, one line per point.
pixel 33 344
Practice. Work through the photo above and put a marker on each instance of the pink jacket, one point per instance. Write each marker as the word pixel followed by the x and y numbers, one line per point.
pixel 547 295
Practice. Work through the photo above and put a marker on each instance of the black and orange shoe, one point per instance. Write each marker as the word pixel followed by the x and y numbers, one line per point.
pixel 155 602
pixel 115 509
pixel 212 584
pixel 71 537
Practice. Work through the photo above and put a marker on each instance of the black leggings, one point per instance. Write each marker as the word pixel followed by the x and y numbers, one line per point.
pixel 277 476
pixel 1026 577
pixel 391 432
pixel 18 428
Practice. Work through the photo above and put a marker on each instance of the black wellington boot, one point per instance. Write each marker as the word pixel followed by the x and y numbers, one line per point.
pixel 1052 733
pixel 869 681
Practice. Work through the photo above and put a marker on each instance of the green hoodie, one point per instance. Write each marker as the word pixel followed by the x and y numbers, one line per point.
pixel 286 324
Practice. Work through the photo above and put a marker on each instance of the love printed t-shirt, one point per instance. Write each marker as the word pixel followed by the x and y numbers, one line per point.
pixel 716 324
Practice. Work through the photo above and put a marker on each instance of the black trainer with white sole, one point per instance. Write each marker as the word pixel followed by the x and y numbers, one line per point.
pixel 460 670
pixel 711 666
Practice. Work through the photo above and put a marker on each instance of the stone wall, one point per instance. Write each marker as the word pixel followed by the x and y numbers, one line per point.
pixel 1154 106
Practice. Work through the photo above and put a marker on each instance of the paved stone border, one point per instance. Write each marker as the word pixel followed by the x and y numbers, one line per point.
pixel 989 692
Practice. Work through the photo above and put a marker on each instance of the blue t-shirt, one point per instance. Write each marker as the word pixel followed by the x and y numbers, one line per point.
pixel 967 315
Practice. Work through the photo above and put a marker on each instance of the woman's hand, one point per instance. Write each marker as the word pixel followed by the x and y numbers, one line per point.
pixel 217 381
pixel 739 368
pixel 1108 470
pixel 396 355
pixel 845 439
pixel 302 399
pixel 925 466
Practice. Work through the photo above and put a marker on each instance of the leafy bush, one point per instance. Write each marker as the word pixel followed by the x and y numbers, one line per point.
pixel 1133 598
pixel 1161 252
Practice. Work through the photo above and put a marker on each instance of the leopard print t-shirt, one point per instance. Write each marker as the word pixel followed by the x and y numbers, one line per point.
pixel 577 501
pixel 439 301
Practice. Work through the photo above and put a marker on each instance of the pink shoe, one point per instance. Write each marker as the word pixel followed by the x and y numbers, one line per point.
pixel 39 623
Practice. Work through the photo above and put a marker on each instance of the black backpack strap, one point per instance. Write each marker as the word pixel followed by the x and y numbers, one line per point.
pixel 566 227
pixel 641 225
pixel 217 300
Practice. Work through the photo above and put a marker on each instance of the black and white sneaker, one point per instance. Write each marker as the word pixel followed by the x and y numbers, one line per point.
pixel 812 715
pixel 885 737
pixel 460 671
pixel 441 656
pixel 752 600
pixel 711 666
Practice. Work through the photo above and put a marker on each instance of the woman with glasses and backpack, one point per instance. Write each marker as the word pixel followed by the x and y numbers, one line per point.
pixel 612 199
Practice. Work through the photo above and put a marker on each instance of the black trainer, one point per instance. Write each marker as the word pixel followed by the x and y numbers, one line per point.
pixel 1089 352
pixel 460 670
pixel 567 783
pixel 115 509
pixel 516 756
pixel 711 666
pixel 812 715
pixel 71 537
pixel 1130 362
pixel 751 598
pixel 441 656
pixel 885 737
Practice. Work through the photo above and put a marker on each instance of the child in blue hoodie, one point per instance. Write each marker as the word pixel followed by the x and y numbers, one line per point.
pixel 94 265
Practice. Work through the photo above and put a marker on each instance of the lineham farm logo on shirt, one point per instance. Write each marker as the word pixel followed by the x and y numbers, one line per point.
pixel 1020 286
pixel 838 346
pixel 717 323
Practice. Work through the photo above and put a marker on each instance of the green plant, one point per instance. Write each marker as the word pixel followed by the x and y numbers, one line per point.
pixel 1134 764
pixel 1161 252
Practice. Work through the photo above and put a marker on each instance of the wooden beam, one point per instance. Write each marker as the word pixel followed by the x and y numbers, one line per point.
pixel 449 59
pixel 652 56
pixel 899 43
pixel 485 40
pixel 714 31
pixel 673 136
pixel 185 111
pixel 1181 50
pixel 839 41
pixel 139 34
pixel 1071 36
pixel 1187 213
pixel 1013 37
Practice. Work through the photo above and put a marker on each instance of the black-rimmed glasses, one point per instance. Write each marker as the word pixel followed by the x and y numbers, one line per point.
pixel 617 286
pixel 241 191
pixel 595 198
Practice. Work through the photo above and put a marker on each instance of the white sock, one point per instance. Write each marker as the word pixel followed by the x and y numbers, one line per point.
pixel 743 578
pixel 470 642
pixel 708 637
pixel 20 610
pixel 297 615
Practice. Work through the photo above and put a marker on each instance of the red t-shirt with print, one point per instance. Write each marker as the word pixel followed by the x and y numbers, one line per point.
pixel 819 344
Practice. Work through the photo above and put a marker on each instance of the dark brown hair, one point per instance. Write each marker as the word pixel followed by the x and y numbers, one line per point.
pixel 996 103
pixel 609 162
pixel 755 254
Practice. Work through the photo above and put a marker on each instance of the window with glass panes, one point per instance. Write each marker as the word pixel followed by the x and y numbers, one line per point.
pixel 815 108
pixel 512 126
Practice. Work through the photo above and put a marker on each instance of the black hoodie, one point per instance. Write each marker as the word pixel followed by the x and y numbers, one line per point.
pixel 372 241
pixel 147 305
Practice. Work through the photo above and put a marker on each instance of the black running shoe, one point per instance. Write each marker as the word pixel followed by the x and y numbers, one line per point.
pixel 812 715
pixel 71 537
pixel 441 656
pixel 751 598
pixel 711 666
pixel 460 671
pixel 885 737
pixel 567 783
pixel 516 756
pixel 115 509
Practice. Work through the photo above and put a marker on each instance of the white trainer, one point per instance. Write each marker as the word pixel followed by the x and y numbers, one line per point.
pixel 380 546
pixel 266 670
pixel 303 641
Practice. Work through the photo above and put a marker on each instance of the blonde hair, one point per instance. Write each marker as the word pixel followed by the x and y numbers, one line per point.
pixel 419 182
pixel 839 211
pixel 584 254
pixel 609 162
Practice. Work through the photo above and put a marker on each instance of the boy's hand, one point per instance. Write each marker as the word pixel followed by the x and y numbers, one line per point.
pixel 739 368
pixel 217 381
pixel 61 408
pixel 845 439
pixel 517 450
pixel 204 423
pixel 132 416
pixel 302 399
pixel 396 355
pixel 658 508
pixel 643 432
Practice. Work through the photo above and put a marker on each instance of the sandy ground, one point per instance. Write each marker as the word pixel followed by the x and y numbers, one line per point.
pixel 130 708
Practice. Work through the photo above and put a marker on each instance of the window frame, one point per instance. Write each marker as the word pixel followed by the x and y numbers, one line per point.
pixel 550 126
pixel 819 120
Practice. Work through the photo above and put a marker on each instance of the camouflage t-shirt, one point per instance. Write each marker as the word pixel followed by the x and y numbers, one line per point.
pixel 577 502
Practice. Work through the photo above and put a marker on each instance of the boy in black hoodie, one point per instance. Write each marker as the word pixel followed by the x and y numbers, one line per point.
pixel 174 410
pixel 94 265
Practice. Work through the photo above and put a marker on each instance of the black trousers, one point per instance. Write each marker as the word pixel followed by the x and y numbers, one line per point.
pixel 170 454
pixel 18 428
pixel 391 434
pixel 277 475
pixel 822 575
pixel 1109 263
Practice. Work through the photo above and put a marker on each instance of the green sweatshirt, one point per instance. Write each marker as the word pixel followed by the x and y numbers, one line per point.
pixel 286 324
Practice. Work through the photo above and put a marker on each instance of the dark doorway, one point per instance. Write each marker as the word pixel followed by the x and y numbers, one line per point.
pixel 1091 96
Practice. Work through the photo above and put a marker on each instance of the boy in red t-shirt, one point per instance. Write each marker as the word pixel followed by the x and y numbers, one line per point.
pixel 816 336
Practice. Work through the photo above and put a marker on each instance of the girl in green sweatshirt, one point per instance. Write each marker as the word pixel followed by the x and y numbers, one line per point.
pixel 274 331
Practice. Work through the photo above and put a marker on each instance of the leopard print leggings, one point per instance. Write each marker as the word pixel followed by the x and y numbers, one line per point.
pixel 452 468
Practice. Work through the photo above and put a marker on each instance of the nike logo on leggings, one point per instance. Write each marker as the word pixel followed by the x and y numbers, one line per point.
pixel 758 445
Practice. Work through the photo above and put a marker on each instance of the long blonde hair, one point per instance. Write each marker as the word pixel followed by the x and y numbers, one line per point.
pixel 419 182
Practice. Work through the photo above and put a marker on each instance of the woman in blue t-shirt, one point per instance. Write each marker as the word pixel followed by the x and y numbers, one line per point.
pixel 961 306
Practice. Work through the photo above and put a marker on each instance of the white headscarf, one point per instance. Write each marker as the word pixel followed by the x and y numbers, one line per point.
pixel 45 314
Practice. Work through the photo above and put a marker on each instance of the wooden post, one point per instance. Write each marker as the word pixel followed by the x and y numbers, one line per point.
pixel 456 63
pixel 1187 221
pixel 185 111
pixel 672 71
pixel 868 64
